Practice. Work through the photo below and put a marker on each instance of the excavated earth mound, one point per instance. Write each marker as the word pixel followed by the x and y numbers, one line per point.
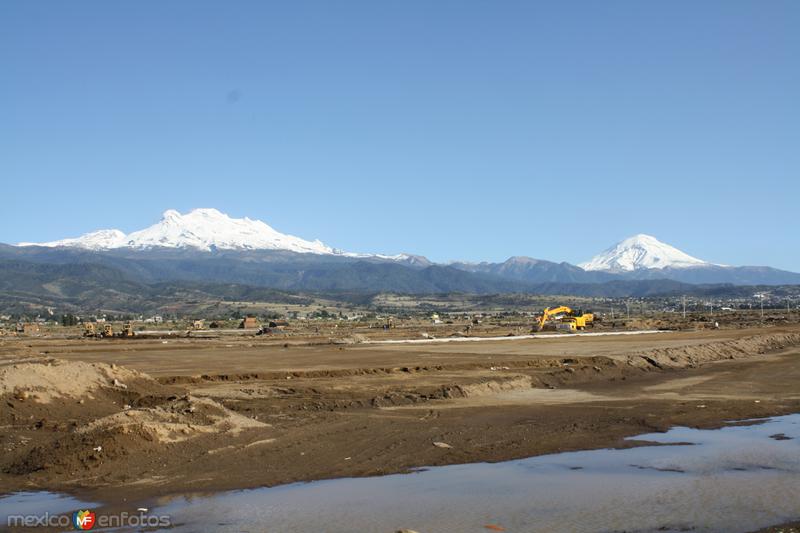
pixel 692 356
pixel 103 411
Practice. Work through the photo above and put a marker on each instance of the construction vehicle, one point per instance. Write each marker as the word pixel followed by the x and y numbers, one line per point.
pixel 574 321
pixel 127 330
pixel 550 313
pixel 108 331
pixel 582 320
pixel 89 330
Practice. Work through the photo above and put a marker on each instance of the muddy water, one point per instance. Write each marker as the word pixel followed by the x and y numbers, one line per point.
pixel 736 479
pixel 37 503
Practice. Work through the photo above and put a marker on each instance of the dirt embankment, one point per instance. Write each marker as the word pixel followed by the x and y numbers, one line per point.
pixel 692 356
pixel 72 425
pixel 43 380
pixel 319 390
pixel 97 413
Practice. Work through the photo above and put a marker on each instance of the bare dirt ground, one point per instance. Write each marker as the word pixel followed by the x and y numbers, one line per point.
pixel 113 419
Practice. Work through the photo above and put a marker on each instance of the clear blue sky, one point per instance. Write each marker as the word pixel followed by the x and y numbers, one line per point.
pixel 465 129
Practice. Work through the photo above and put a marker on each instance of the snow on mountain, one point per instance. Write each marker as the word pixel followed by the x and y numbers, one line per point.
pixel 206 229
pixel 641 252
pixel 203 229
pixel 209 229
pixel 103 239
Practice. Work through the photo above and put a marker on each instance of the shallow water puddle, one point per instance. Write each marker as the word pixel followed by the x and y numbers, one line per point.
pixel 37 503
pixel 736 479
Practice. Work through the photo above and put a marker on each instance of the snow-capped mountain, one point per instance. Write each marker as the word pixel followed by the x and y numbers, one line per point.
pixel 208 229
pixel 642 252
pixel 202 229
pixel 641 260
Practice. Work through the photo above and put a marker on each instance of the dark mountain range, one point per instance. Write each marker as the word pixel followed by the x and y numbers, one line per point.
pixel 532 270
pixel 538 271
pixel 84 281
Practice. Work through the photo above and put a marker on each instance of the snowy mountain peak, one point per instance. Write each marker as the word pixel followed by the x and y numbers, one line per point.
pixel 641 252
pixel 202 229
pixel 172 215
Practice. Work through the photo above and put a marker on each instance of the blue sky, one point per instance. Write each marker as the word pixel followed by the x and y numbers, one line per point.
pixel 472 129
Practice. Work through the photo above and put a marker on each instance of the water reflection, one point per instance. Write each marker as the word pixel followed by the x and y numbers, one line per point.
pixel 736 479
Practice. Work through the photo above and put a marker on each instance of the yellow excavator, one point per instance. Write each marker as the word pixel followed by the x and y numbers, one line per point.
pixel 575 321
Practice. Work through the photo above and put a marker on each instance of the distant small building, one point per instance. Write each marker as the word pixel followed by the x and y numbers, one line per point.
pixel 29 328
pixel 249 322
pixel 198 324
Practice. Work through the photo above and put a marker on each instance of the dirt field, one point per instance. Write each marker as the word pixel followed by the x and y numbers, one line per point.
pixel 113 419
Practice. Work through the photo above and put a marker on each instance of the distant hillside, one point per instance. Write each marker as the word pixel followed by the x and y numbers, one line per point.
pixel 745 275
pixel 274 269
pixel 531 270
pixel 86 287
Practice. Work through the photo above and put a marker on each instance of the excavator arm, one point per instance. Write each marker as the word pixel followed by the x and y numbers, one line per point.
pixel 550 312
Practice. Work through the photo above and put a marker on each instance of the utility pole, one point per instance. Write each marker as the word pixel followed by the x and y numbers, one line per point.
pixel 628 308
pixel 684 307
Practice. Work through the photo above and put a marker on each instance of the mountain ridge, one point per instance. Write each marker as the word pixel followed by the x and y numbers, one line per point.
pixel 91 288
pixel 177 239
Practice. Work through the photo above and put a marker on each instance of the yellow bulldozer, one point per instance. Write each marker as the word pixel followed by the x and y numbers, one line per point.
pixel 127 330
pixel 566 319
pixel 90 330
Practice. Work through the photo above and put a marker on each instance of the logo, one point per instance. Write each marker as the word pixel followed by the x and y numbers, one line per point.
pixel 83 520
